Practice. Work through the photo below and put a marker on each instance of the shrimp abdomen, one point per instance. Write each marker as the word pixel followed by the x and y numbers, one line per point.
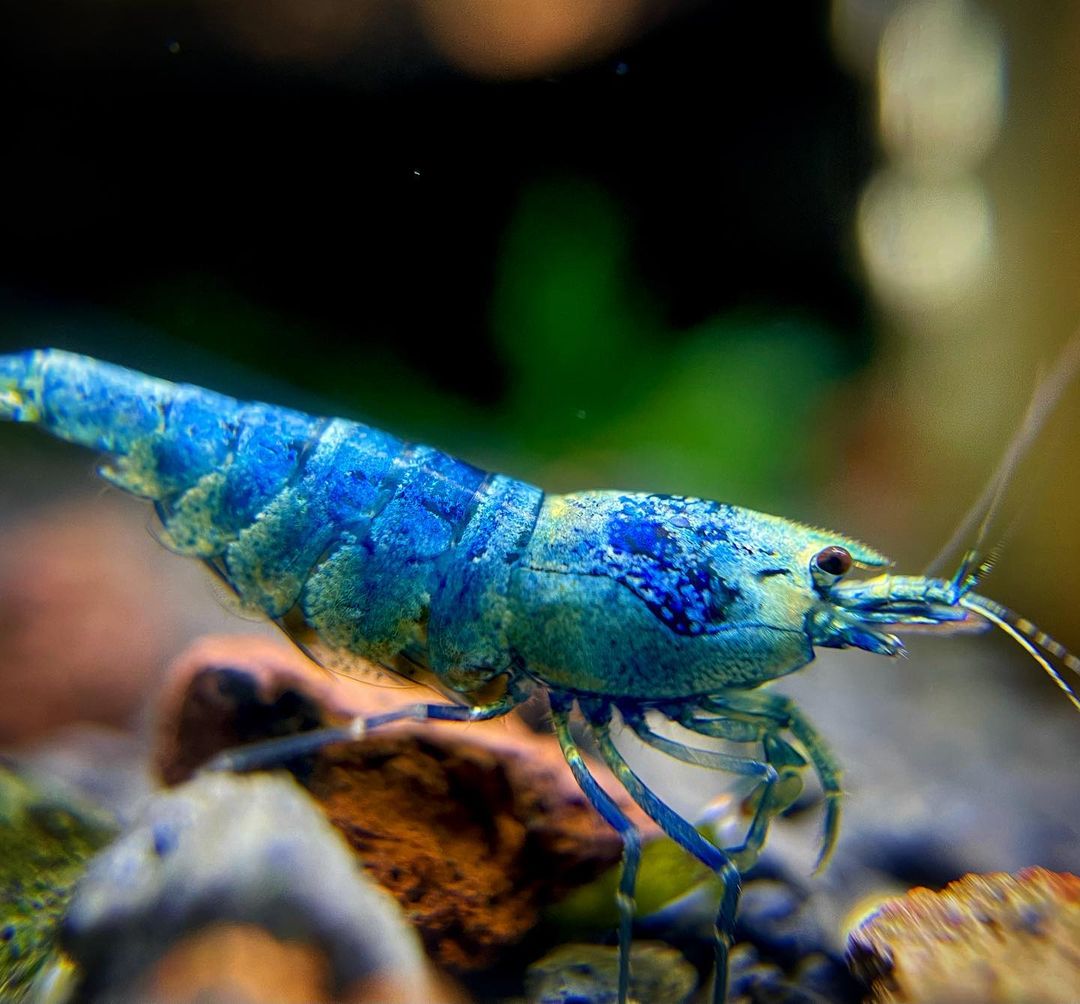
pixel 364 536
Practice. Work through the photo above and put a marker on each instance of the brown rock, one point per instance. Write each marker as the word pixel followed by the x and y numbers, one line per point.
pixel 227 690
pixel 985 939
pixel 473 828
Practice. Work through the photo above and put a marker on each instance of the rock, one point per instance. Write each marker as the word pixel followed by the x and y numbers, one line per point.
pixel 986 939
pixel 775 917
pixel 659 974
pixel 755 981
pixel 231 963
pixel 237 963
pixel 228 850
pixel 575 973
pixel 228 690
pixel 46 837
pixel 473 828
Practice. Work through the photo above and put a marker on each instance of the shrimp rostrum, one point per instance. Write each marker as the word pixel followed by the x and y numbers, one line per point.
pixel 632 607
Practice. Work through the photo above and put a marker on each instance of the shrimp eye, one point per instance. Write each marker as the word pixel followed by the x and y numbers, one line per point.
pixel 833 560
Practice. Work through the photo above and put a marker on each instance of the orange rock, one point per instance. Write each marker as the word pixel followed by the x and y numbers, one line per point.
pixel 246 964
pixel 241 963
pixel 473 828
pixel 985 939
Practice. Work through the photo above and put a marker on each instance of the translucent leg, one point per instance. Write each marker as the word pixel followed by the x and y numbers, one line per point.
pixel 746 766
pixel 685 835
pixel 745 854
pixel 614 816
pixel 780 773
pixel 274 752
pixel 783 714
pixel 740 730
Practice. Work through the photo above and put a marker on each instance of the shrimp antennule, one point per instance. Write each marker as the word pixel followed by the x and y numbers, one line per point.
pixel 1036 642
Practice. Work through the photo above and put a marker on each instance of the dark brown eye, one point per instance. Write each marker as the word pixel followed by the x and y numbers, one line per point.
pixel 833 560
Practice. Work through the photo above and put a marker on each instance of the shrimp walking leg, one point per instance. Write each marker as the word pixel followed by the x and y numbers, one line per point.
pixel 684 834
pixel 780 772
pixel 713 759
pixel 614 816
pixel 768 805
pixel 772 800
pixel 783 715
pixel 274 752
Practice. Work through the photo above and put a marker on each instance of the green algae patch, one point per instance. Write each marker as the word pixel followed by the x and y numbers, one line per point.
pixel 575 972
pixel 667 873
pixel 46 837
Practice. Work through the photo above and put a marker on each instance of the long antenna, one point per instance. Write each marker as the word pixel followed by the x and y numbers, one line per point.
pixel 1045 399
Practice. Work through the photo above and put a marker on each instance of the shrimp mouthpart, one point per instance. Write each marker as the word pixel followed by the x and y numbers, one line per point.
pixel 859 614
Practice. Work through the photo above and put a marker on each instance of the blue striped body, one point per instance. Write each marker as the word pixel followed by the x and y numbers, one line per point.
pixel 374 544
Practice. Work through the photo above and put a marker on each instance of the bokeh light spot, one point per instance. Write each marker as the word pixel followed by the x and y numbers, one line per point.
pixel 941 85
pixel 524 37
pixel 925 243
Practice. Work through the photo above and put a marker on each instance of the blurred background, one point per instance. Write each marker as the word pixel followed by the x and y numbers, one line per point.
pixel 804 257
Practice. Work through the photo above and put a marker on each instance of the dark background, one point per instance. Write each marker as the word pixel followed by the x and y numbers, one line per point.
pixel 362 200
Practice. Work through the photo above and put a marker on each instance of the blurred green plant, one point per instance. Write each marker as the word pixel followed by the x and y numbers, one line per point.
pixel 600 381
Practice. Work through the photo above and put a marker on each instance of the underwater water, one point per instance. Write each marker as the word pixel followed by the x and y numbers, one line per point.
pixel 811 265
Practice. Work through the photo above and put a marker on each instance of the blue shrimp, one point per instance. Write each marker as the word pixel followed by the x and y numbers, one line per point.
pixel 625 604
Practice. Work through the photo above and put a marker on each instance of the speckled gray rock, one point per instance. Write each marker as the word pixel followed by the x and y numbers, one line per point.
pixel 251 849
pixel 573 973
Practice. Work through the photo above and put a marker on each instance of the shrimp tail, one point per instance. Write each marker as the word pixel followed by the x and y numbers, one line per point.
pixel 81 400
pixel 342 533
pixel 166 442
